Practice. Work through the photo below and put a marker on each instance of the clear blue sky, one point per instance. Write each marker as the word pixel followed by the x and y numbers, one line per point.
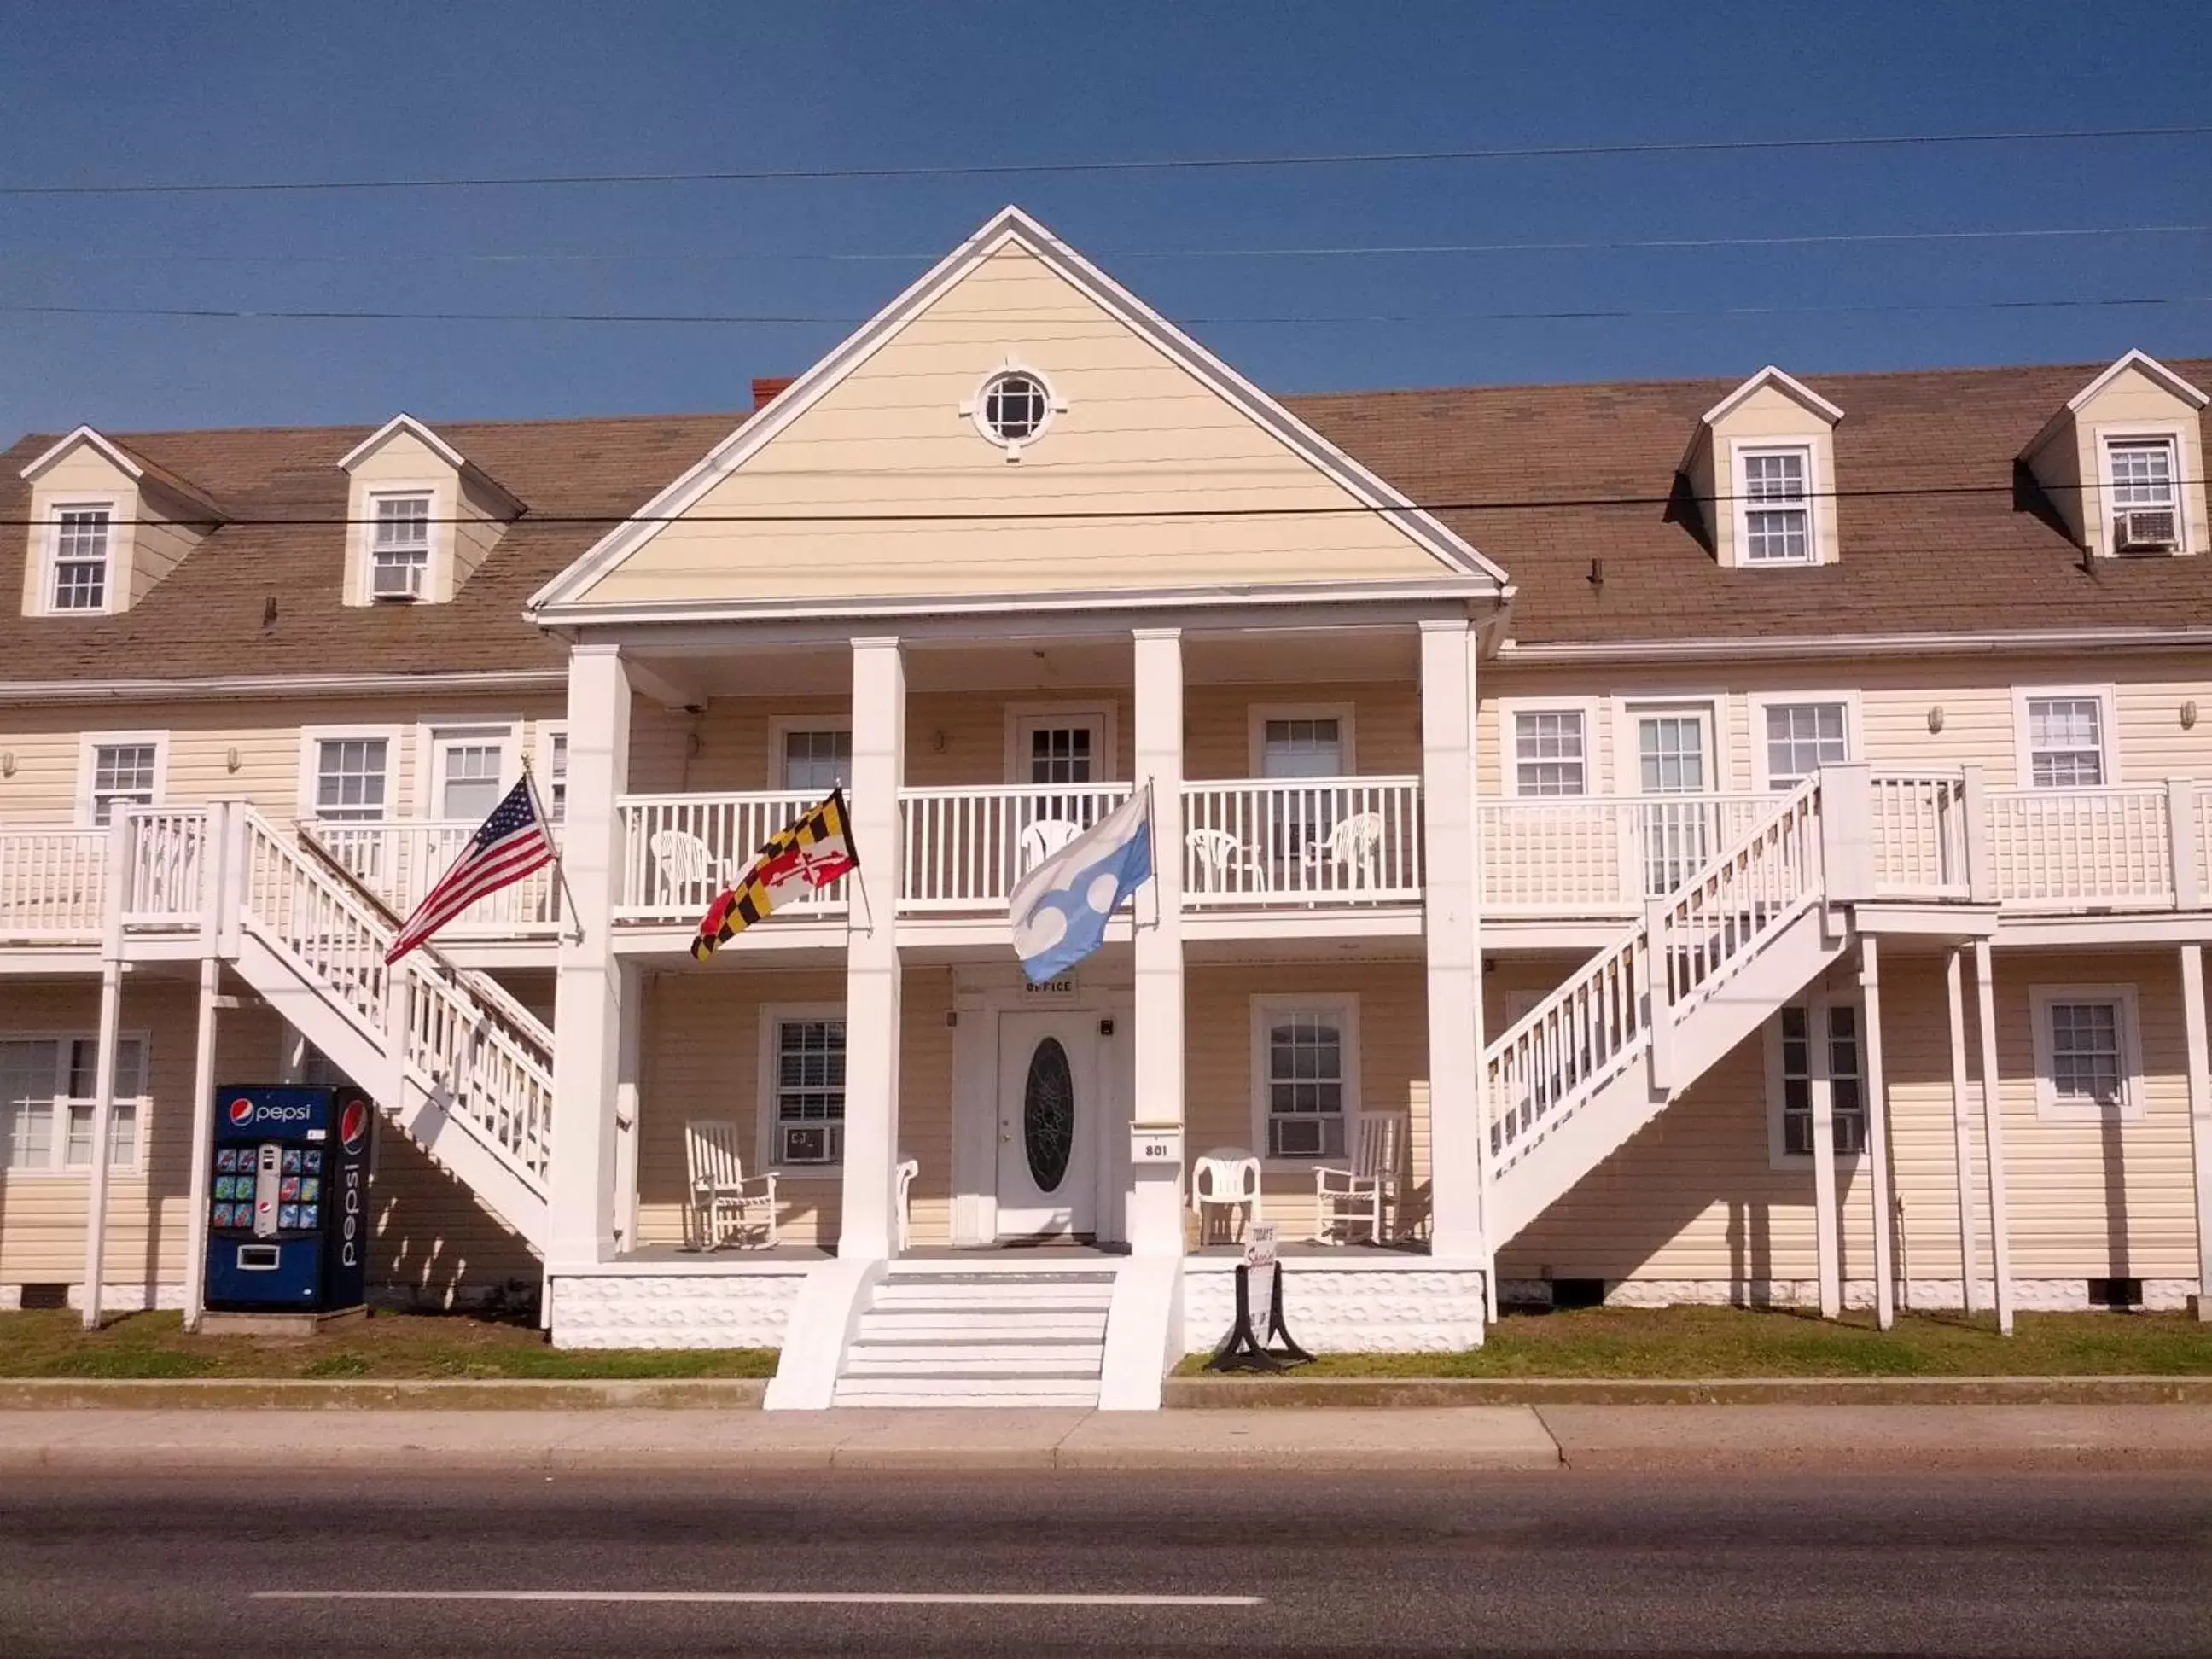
pixel 130 93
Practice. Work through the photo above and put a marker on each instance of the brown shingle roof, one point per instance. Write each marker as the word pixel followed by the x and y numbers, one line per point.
pixel 1976 562
pixel 1983 561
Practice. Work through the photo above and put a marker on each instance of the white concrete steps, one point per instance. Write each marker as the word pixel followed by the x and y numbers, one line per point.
pixel 946 1336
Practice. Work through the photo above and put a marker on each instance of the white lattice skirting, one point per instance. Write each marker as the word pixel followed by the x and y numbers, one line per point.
pixel 2035 1295
pixel 673 1311
pixel 1330 1309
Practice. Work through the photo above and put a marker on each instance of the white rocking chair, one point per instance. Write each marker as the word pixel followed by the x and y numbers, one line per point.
pixel 1221 858
pixel 1355 847
pixel 1041 839
pixel 1365 1194
pixel 720 1203
pixel 690 874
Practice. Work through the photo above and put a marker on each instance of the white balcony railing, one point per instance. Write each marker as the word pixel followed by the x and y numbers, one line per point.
pixel 53 886
pixel 1921 835
pixel 168 859
pixel 1603 855
pixel 679 853
pixel 1296 841
pixel 2068 847
pixel 967 846
pixel 400 860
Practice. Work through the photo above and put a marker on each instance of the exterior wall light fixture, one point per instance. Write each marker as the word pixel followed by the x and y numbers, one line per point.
pixel 1935 719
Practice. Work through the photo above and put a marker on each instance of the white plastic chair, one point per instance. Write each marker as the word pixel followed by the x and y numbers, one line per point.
pixel 720 1203
pixel 1220 856
pixel 907 1170
pixel 1222 1182
pixel 1354 847
pixel 1364 1194
pixel 1042 838
pixel 690 872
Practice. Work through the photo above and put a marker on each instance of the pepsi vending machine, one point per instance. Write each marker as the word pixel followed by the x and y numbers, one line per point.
pixel 287 1227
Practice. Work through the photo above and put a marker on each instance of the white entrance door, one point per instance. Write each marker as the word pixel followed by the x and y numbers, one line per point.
pixel 1048 1123
pixel 1673 757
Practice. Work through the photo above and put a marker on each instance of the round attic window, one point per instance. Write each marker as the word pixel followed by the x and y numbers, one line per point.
pixel 1015 407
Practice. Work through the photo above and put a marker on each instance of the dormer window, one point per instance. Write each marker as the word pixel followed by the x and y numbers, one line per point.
pixel 81 558
pixel 399 549
pixel 1776 503
pixel 2146 506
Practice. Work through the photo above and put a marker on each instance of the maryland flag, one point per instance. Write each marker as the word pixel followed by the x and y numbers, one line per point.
pixel 811 852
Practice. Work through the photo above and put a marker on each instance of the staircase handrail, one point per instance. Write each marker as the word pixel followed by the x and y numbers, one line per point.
pixel 445 1017
pixel 1599 1019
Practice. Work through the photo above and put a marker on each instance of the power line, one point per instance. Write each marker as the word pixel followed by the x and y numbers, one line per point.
pixel 1894 492
pixel 68 256
pixel 223 313
pixel 1180 164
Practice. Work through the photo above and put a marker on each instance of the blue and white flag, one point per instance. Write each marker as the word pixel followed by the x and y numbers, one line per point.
pixel 1060 908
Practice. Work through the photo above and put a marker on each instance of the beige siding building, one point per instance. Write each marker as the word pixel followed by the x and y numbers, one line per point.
pixel 1703 842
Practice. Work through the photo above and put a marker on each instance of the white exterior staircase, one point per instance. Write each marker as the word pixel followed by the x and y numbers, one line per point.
pixel 459 1066
pixel 1571 1081
pixel 945 1334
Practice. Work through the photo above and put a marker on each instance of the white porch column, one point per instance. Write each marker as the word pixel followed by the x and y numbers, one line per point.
pixel 627 1128
pixel 1458 1124
pixel 869 1229
pixel 2200 1116
pixel 1821 1085
pixel 1962 1131
pixel 103 1088
pixel 1155 1220
pixel 1993 1134
pixel 1875 1083
pixel 588 1002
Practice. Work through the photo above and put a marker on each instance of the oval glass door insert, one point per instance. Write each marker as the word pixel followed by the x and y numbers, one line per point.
pixel 1048 1114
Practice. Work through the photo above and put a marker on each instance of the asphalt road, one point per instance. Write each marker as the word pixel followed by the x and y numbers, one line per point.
pixel 1522 1565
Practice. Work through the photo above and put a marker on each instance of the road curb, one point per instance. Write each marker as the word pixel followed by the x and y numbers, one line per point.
pixel 505 1393
pixel 1202 1393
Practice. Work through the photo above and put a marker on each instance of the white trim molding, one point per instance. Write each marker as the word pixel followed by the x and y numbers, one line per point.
pixel 1595 742
pixel 2042 999
pixel 972 407
pixel 49 534
pixel 772 1015
pixel 1257 715
pixel 1756 704
pixel 1773 376
pixel 2108 735
pixel 1624 760
pixel 1343 1008
pixel 433 735
pixel 312 738
pixel 780 729
pixel 89 743
pixel 1021 717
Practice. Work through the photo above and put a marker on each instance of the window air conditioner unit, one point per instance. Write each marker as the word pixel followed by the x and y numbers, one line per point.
pixel 397 580
pixel 810 1143
pixel 2147 529
pixel 1299 1137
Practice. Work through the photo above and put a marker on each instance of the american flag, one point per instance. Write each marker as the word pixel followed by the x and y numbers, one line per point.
pixel 512 843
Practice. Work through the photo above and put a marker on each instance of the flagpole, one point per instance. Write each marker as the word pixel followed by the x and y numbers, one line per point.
pixel 545 818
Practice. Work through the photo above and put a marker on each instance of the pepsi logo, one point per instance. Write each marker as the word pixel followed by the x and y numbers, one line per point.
pixel 242 1111
pixel 353 1125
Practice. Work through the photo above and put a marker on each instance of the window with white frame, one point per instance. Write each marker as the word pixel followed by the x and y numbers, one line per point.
pixel 48 1099
pixel 472 778
pixel 1551 752
pixel 2066 742
pixel 1305 1067
pixel 809 1084
pixel 818 760
pixel 1301 748
pixel 352 779
pixel 2142 471
pixel 556 773
pixel 81 549
pixel 399 547
pixel 1796 1075
pixel 1776 505
pixel 122 774
pixel 1804 736
pixel 2086 1048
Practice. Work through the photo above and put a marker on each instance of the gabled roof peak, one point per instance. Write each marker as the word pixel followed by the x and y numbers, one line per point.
pixel 133 466
pixel 2149 366
pixel 1771 375
pixel 421 431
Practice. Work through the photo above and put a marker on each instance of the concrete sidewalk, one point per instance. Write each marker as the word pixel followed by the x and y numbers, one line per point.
pixel 1445 1439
